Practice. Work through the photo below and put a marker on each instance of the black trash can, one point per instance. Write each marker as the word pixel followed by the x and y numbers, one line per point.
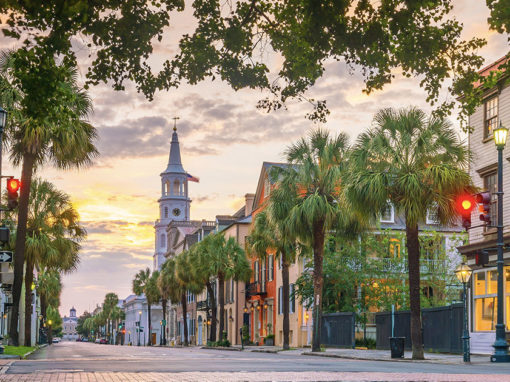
pixel 397 347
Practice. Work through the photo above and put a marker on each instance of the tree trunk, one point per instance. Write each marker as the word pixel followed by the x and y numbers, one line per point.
pixel 214 312
pixel 149 324
pixel 318 281
pixel 163 303
pixel 221 300
pixel 50 335
pixel 413 253
pixel 29 278
pixel 19 250
pixel 184 318
pixel 286 301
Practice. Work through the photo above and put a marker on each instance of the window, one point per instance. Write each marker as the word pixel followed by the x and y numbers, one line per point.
pixel 232 291
pixel 491 116
pixel 280 298
pixel 394 251
pixel 165 212
pixel 270 266
pixel 167 188
pixel 292 299
pixel 227 292
pixel 388 213
pixel 485 300
pixel 162 241
pixel 256 271
pixel 267 187
pixel 490 182
pixel 432 212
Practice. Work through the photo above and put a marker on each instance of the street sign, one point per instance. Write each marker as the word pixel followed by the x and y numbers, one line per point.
pixel 164 322
pixel 5 256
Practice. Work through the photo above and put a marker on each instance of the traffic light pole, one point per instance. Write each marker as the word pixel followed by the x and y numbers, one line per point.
pixel 500 345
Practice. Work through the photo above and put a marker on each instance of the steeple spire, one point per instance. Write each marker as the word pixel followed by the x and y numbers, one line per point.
pixel 174 160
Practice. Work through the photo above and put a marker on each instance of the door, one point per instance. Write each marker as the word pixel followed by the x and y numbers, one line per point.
pixel 153 338
pixel 200 330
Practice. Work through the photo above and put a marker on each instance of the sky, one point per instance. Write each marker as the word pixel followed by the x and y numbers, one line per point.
pixel 224 140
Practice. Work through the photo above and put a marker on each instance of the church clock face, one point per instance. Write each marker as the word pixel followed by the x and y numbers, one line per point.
pixel 176 211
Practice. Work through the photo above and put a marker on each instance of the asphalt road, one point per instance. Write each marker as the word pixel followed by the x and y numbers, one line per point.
pixel 88 357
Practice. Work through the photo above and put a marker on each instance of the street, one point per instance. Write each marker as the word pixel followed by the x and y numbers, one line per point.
pixel 93 362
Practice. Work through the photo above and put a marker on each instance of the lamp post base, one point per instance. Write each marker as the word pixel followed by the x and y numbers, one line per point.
pixel 500 358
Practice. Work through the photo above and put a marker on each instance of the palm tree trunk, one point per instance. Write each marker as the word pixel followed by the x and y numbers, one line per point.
pixel 286 302
pixel 221 300
pixel 19 250
pixel 184 318
pixel 214 312
pixel 163 303
pixel 29 278
pixel 318 281
pixel 413 252
pixel 149 323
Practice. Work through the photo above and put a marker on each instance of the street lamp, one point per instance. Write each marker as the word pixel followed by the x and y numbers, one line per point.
pixel 500 345
pixel 463 273
pixel 139 325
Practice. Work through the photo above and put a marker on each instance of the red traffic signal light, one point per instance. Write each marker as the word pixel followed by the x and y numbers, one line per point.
pixel 465 205
pixel 13 185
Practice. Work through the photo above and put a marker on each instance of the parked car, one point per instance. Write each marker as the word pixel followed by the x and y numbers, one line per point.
pixel 103 341
pixel 97 341
pixel 56 340
pixel 84 340
pixel 78 339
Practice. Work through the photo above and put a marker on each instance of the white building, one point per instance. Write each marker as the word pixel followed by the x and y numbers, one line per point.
pixel 482 309
pixel 69 326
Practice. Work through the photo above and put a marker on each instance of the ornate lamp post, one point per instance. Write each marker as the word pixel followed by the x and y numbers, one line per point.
pixel 500 345
pixel 463 273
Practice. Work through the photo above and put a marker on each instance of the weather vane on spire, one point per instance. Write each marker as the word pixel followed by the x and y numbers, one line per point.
pixel 175 122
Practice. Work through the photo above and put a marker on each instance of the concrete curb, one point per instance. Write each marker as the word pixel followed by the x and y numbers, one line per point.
pixel 381 359
pixel 33 351
pixel 221 348
pixel 266 351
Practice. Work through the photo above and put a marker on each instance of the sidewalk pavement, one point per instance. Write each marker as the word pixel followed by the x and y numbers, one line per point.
pixel 370 355
pixel 384 355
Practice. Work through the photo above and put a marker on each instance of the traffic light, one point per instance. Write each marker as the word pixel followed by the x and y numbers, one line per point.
pixel 484 206
pixel 482 258
pixel 465 205
pixel 13 185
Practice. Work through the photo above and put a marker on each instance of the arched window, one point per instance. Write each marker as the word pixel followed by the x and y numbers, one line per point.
pixel 167 188
pixel 162 241
pixel 177 185
pixel 181 189
pixel 165 214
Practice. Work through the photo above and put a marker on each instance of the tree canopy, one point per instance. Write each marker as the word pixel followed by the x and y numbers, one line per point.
pixel 236 42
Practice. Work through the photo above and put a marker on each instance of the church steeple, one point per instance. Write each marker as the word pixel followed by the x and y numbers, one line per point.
pixel 174 204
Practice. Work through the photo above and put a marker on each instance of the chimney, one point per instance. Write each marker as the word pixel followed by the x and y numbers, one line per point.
pixel 248 206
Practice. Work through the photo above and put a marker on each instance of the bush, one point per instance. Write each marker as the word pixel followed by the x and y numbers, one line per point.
pixel 224 341
pixel 366 342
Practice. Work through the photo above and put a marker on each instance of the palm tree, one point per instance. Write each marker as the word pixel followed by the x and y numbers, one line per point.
pixel 50 287
pixel 61 136
pixel 314 176
pixel 165 291
pixel 270 234
pixel 416 163
pixel 53 236
pixel 203 274
pixel 153 297
pixel 228 261
pixel 168 278
pixel 110 303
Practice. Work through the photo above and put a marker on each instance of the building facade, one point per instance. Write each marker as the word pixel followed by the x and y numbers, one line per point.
pixel 69 326
pixel 494 110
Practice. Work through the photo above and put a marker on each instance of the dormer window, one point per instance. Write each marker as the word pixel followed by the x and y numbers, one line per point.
pixel 388 213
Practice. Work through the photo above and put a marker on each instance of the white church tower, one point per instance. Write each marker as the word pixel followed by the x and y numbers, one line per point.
pixel 174 203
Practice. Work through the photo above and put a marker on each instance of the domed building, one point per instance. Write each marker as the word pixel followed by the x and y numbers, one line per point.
pixel 69 326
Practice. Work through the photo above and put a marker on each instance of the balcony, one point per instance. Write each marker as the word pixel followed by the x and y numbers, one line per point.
pixel 202 305
pixel 256 289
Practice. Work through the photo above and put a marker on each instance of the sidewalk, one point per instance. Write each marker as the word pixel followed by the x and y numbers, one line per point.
pixel 384 355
